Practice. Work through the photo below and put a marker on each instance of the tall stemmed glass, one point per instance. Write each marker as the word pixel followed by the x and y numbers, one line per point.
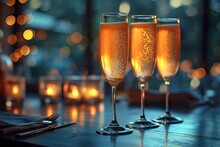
pixel 143 56
pixel 114 57
pixel 168 56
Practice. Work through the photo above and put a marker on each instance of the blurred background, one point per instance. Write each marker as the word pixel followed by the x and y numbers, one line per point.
pixel 45 37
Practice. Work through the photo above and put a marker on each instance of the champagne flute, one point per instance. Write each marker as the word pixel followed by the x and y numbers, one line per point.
pixel 143 57
pixel 114 57
pixel 168 56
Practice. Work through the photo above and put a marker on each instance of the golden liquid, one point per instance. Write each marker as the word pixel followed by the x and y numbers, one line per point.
pixel 113 50
pixel 143 49
pixel 168 50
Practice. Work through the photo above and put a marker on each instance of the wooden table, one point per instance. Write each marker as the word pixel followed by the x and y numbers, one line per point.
pixel 201 126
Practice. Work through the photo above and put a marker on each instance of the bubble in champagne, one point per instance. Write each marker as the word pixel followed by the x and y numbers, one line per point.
pixel 119 59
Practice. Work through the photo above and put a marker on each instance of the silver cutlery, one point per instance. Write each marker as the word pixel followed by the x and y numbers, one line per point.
pixel 50 127
pixel 32 125
pixel 48 120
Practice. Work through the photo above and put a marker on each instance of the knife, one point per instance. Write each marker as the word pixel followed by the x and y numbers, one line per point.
pixel 50 127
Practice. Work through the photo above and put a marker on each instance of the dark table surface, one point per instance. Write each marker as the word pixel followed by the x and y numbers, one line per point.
pixel 201 126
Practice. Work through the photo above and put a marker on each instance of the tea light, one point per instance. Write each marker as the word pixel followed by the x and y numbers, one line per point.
pixel 15 87
pixel 92 89
pixel 50 88
pixel 72 89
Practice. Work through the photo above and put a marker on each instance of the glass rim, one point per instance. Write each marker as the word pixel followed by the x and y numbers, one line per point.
pixel 143 16
pixel 114 14
pixel 168 20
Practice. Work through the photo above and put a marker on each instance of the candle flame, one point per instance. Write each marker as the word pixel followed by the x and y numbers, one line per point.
pixel 75 91
pixel 15 89
pixel 49 90
pixel 93 92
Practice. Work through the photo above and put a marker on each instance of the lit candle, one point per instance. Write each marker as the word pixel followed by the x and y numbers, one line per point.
pixel 15 87
pixel 90 93
pixel 71 89
pixel 50 89
pixel 73 93
pixel 92 89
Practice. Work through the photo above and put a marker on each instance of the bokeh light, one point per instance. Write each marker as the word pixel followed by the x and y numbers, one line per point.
pixel 185 65
pixel 41 34
pixel 124 7
pixel 76 37
pixel 35 4
pixel 198 73
pixel 215 69
pixel 22 1
pixel 12 39
pixel 10 20
pixel 28 34
pixel 25 50
pixel 10 3
pixel 65 51
pixel 194 83
pixel 21 19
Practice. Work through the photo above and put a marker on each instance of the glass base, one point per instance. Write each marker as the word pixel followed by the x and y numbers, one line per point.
pixel 114 130
pixel 142 124
pixel 168 120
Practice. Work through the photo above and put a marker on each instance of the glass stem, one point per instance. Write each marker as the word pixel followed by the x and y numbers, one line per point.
pixel 114 120
pixel 142 86
pixel 167 107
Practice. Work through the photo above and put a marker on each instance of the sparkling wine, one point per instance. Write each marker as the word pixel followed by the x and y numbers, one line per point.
pixel 143 49
pixel 168 50
pixel 113 51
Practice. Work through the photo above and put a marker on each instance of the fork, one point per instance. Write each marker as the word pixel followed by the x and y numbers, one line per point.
pixel 48 120
pixel 32 125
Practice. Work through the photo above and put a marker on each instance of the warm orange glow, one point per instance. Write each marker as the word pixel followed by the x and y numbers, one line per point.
pixel 15 89
pixel 41 35
pixel 22 1
pixel 90 92
pixel 73 93
pixel 92 110
pixel 185 65
pixel 28 34
pixel 215 69
pixel 197 73
pixel 21 19
pixel 10 2
pixel 10 20
pixel 17 53
pixel 168 50
pixel 49 90
pixel 15 111
pixel 12 39
pixel 200 73
pixel 74 114
pixel 25 50
pixel 76 37
pixel 101 107
pixel 50 110
pixel 93 92
pixel 13 57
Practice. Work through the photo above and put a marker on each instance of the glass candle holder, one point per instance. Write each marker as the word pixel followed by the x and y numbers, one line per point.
pixel 50 88
pixel 15 87
pixel 92 89
pixel 72 89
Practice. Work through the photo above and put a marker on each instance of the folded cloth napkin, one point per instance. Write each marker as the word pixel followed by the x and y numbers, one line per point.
pixel 177 99
pixel 8 122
